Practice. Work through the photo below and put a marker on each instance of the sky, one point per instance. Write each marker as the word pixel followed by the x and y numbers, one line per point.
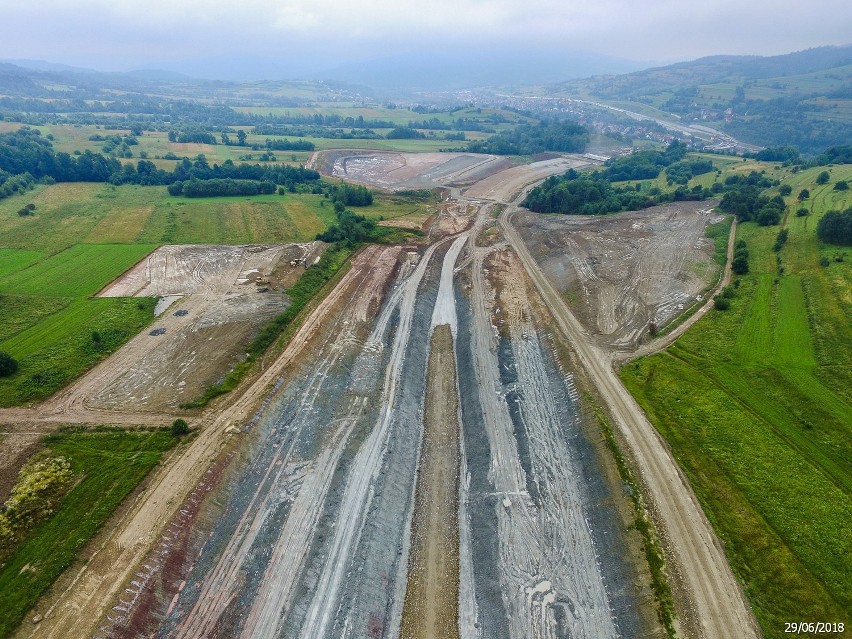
pixel 210 37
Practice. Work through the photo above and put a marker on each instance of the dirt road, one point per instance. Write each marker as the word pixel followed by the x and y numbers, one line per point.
pixel 719 610
pixel 431 599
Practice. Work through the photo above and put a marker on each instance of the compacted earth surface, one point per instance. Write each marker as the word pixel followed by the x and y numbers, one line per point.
pixel 420 460
pixel 620 273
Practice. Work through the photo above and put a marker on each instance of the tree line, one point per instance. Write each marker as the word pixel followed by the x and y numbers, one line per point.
pixel 27 157
pixel 594 193
pixel 529 139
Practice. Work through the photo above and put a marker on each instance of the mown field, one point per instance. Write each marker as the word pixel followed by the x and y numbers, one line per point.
pixel 756 404
pixel 77 271
pixel 106 467
pixel 56 341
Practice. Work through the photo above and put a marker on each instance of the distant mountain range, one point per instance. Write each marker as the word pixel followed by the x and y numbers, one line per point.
pixel 802 99
pixel 451 69
pixel 715 70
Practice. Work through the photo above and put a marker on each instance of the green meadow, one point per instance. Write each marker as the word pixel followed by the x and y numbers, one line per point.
pixel 755 402
pixel 106 467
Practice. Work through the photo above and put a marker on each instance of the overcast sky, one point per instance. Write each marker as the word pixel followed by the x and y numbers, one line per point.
pixel 187 34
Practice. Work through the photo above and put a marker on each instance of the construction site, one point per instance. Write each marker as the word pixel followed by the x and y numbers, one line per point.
pixel 424 459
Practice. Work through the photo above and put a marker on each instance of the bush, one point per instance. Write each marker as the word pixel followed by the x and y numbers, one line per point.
pixel 740 265
pixel 721 303
pixel 841 185
pixel 836 227
pixel 179 427
pixel 780 240
pixel 33 497
pixel 802 212
pixel 8 365
pixel 823 178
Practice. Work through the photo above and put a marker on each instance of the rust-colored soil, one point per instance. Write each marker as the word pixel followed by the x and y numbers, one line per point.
pixel 431 598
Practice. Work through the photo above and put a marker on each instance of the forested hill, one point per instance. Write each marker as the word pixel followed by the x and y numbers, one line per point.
pixel 715 69
pixel 803 98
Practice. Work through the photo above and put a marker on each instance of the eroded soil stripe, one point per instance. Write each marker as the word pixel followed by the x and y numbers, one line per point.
pixel 431 599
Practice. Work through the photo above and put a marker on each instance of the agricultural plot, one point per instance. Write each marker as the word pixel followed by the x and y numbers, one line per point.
pixel 51 329
pixel 762 387
pixel 62 344
pixel 84 236
pixel 106 467
pixel 78 271
pixel 12 260
pixel 69 214
pixel 265 218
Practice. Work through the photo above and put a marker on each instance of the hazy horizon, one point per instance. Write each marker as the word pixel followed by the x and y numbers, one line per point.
pixel 277 40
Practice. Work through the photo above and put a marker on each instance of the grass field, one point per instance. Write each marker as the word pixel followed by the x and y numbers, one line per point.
pixel 756 405
pixel 48 322
pixel 56 345
pixel 106 467
pixel 80 270
pixel 85 213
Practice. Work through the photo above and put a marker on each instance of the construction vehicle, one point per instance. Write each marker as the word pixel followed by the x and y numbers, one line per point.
pixel 261 281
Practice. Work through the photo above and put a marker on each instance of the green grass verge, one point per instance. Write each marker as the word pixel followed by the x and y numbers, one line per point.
pixel 755 404
pixel 107 466
pixel 719 233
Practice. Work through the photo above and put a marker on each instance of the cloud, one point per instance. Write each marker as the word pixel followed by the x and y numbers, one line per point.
pixel 114 34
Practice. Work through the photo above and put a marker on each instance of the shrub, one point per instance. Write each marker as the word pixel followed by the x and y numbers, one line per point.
pixel 8 364
pixel 179 427
pixel 740 264
pixel 33 498
pixel 835 227
pixel 721 303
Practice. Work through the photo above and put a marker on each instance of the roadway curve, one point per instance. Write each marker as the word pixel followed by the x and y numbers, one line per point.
pixel 716 606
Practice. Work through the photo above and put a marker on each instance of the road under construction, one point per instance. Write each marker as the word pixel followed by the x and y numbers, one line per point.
pixel 421 460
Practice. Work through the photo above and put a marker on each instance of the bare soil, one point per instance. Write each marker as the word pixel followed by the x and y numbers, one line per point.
pixel 17 444
pixel 398 171
pixel 431 599
pixel 621 272
pixel 219 309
